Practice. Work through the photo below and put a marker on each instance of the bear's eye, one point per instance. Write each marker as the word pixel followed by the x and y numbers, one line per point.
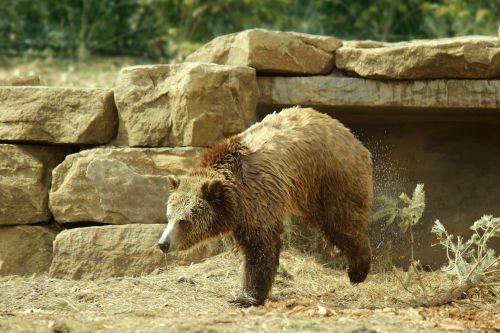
pixel 183 223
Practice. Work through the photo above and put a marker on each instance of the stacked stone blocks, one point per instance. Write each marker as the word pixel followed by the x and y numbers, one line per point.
pixel 82 171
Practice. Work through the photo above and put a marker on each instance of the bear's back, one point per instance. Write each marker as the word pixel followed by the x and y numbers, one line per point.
pixel 292 155
pixel 303 127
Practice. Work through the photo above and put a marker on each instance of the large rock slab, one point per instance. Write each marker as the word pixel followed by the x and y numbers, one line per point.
pixel 272 52
pixel 25 175
pixel 111 251
pixel 472 57
pixel 346 91
pixel 25 250
pixel 187 104
pixel 117 185
pixel 57 115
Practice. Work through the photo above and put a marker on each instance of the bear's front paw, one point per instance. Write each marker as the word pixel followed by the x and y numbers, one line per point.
pixel 246 301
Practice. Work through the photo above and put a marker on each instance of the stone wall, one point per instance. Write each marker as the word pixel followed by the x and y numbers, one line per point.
pixel 82 171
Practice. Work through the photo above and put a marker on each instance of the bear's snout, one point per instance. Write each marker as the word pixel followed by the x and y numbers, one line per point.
pixel 164 246
pixel 167 239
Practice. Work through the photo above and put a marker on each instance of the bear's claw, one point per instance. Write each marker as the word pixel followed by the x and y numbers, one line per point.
pixel 358 274
pixel 246 301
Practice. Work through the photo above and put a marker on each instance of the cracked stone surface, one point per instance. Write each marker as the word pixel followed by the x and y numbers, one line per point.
pixel 117 185
pixel 349 91
pixel 25 174
pixel 275 52
pixel 26 250
pixel 469 57
pixel 117 250
pixel 57 115
pixel 189 104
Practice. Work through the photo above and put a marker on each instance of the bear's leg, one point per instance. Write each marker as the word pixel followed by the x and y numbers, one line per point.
pixel 350 236
pixel 358 252
pixel 261 261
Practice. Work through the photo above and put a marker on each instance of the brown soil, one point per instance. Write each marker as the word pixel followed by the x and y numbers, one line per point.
pixel 306 297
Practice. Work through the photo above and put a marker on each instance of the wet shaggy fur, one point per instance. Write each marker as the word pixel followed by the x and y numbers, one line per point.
pixel 299 163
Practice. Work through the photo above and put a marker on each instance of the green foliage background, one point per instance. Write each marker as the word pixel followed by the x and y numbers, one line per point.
pixel 169 29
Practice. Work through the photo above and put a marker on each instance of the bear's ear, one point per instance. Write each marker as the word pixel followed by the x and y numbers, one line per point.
pixel 172 182
pixel 213 191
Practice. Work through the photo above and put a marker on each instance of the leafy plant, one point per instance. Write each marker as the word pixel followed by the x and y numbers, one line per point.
pixel 407 213
pixel 471 262
pixel 460 17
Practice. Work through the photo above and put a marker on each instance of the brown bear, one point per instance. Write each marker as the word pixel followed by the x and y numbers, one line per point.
pixel 297 162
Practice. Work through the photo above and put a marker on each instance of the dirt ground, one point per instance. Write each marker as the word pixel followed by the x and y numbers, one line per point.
pixel 307 297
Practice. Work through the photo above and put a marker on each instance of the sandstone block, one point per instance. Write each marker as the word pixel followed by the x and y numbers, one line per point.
pixel 25 173
pixel 271 52
pixel 27 80
pixel 25 250
pixel 347 91
pixel 472 57
pixel 187 104
pixel 110 251
pixel 117 185
pixel 57 115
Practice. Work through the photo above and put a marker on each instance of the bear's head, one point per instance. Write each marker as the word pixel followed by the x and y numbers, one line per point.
pixel 197 210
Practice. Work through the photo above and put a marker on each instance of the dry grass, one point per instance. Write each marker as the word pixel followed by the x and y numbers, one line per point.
pixel 95 72
pixel 307 296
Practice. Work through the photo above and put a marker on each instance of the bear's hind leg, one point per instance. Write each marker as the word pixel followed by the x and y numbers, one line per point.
pixel 261 260
pixel 351 238
pixel 359 257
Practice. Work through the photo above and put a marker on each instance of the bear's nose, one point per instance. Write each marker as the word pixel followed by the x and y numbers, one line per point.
pixel 164 247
